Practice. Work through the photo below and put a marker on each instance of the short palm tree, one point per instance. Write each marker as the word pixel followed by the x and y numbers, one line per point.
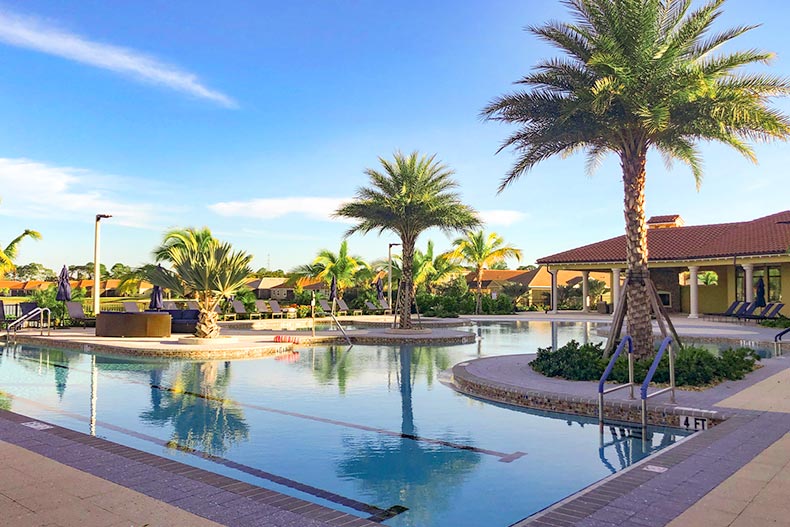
pixel 639 74
pixel 428 268
pixel 343 267
pixel 9 254
pixel 211 270
pixel 480 251
pixel 412 194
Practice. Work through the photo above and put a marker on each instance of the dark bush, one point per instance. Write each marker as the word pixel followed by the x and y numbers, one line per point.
pixel 694 366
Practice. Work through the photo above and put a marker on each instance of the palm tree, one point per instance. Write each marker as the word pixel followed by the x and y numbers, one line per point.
pixel 412 194
pixel 428 269
pixel 181 238
pixel 208 268
pixel 480 251
pixel 343 267
pixel 9 254
pixel 639 74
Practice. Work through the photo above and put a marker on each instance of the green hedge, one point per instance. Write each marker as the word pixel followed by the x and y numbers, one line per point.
pixel 694 366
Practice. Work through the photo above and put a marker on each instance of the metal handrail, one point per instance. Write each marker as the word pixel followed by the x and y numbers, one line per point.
pixel 16 325
pixel 608 371
pixel 778 341
pixel 666 344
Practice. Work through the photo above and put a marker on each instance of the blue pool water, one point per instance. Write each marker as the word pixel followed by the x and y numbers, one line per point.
pixel 371 424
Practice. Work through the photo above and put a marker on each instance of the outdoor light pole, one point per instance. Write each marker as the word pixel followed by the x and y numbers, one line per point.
pixel 389 275
pixel 96 266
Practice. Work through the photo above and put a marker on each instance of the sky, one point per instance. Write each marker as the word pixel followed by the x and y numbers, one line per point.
pixel 257 119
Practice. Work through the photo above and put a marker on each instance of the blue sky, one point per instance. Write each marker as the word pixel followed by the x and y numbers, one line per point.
pixel 257 118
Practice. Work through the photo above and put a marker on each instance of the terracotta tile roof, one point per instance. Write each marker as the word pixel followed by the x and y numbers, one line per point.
pixel 668 218
pixel 520 276
pixel 10 284
pixel 763 236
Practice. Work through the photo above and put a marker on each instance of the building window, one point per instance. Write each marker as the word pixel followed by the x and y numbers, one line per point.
pixel 773 283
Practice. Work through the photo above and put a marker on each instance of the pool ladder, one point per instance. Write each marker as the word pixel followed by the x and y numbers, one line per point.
pixel 17 324
pixel 666 347
pixel 778 341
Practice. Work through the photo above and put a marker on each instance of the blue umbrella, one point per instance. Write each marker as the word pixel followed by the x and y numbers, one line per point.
pixel 760 293
pixel 64 287
pixel 156 298
pixel 379 289
pixel 333 289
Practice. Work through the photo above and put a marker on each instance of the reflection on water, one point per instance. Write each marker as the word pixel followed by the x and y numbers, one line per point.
pixel 368 423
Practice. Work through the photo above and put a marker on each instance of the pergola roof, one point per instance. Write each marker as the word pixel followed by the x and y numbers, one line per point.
pixel 769 235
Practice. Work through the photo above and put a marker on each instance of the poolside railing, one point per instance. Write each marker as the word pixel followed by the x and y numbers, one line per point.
pixel 608 371
pixel 778 341
pixel 666 346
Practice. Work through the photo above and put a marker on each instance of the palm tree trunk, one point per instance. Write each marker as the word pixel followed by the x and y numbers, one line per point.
pixel 405 287
pixel 639 325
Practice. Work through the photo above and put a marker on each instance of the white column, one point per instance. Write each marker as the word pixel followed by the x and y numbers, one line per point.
pixel 615 288
pixel 96 269
pixel 694 292
pixel 585 291
pixel 553 291
pixel 749 281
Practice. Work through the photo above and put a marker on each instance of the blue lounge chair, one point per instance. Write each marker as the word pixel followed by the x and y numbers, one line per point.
pixel 747 311
pixel 730 310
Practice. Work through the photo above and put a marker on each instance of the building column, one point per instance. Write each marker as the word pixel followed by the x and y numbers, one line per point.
pixel 749 281
pixel 693 292
pixel 554 303
pixel 615 288
pixel 585 291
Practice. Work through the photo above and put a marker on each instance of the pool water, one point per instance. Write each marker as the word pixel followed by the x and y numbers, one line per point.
pixel 370 424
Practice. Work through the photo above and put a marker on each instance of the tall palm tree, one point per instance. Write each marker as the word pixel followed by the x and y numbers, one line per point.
pixel 208 268
pixel 412 194
pixel 9 254
pixel 480 251
pixel 639 74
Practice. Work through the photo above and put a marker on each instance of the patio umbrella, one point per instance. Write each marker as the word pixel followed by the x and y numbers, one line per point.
pixel 333 290
pixel 156 298
pixel 760 293
pixel 64 287
pixel 379 289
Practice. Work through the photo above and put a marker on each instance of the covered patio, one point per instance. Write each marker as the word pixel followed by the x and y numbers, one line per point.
pixel 740 254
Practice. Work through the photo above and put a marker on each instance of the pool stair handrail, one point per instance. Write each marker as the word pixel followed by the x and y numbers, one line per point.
pixel 778 341
pixel 666 344
pixel 39 312
pixel 601 389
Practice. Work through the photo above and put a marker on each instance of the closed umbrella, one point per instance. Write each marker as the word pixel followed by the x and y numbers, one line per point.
pixel 333 290
pixel 379 289
pixel 64 287
pixel 760 293
pixel 156 299
pixel 64 290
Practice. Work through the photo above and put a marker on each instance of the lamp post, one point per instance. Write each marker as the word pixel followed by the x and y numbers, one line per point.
pixel 96 266
pixel 389 275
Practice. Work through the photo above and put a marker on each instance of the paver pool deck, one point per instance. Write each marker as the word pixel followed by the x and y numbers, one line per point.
pixel 737 473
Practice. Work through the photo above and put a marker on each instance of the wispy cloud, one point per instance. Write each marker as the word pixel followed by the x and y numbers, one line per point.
pixel 502 217
pixel 34 189
pixel 32 33
pixel 270 208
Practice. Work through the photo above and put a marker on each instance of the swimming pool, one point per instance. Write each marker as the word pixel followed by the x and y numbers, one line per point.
pixel 370 425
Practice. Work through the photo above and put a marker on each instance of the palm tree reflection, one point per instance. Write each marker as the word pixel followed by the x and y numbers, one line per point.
pixel 197 409
pixel 404 470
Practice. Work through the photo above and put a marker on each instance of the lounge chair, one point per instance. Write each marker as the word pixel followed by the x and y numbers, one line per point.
pixel 193 305
pixel 373 308
pixel 239 310
pixel 747 311
pixel 77 314
pixel 262 307
pixel 730 310
pixel 25 308
pixel 222 315
pixel 131 307
pixel 169 305
pixel 344 307
pixel 340 310
pixel 2 315
pixel 771 311
pixel 386 307
pixel 325 307
pixel 275 307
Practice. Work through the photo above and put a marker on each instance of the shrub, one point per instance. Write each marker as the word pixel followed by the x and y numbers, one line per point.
pixel 780 322
pixel 694 366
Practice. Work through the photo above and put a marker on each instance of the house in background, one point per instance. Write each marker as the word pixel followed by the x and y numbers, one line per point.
pixel 740 253
pixel 269 288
